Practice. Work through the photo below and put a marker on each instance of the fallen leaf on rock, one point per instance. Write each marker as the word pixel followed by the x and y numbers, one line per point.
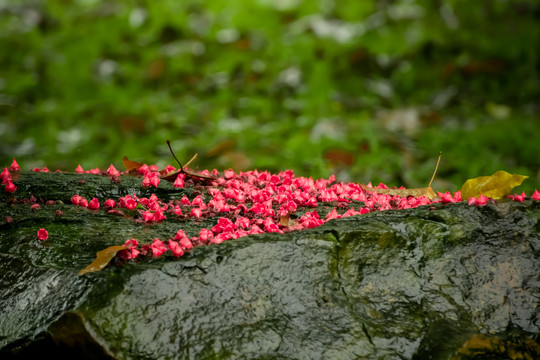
pixel 103 258
pixel 416 192
pixel 496 186
pixel 131 165
pixel 286 220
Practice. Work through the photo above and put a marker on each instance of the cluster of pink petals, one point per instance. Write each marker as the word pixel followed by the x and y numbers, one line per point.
pixel 245 203
pixel 5 176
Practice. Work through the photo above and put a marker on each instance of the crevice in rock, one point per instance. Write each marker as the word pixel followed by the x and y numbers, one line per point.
pixel 337 247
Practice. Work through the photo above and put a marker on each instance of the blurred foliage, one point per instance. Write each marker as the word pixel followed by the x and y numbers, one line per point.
pixel 368 90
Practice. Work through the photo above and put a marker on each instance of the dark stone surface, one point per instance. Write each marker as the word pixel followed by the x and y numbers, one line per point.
pixel 409 284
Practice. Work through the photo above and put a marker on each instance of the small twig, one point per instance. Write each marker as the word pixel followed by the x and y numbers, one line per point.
pixel 436 168
pixel 181 167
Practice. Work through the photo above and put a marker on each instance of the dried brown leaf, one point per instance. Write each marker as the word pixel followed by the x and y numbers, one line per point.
pixel 103 258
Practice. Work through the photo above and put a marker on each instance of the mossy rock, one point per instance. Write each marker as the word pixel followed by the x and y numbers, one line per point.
pixel 408 284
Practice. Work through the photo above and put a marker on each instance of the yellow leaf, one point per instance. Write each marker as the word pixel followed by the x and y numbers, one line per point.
pixel 102 259
pixel 496 186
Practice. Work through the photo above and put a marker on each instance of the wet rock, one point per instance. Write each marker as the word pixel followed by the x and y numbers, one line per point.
pixel 409 284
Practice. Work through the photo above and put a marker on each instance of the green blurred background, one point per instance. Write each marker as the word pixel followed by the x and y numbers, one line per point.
pixel 365 90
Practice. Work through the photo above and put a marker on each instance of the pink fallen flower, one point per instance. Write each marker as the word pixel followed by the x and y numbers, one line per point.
pixel 112 171
pixel 79 170
pixel 14 166
pixel 35 207
pixel 179 182
pixel 177 210
pixel 480 201
pixel 110 203
pixel 176 248
pixel 93 204
pixel 332 215
pixel 131 252
pixel 205 235
pixel 196 212
pixel 148 216
pixel 5 174
pixel 519 198
pixel 10 187
pixel 75 199
pixel 83 202
pixel 42 234
pixel 446 197
pixel 536 195
pixel 186 243
pixel 157 248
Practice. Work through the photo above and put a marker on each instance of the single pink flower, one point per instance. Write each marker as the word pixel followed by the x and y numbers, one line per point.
pixel 112 171
pixel 75 199
pixel 332 215
pixel 205 235
pixel 110 203
pixel 131 252
pixel 536 195
pixel 148 216
pixel 176 248
pixel 157 248
pixel 154 181
pixel 158 215
pixel 179 235
pixel 186 243
pixel 10 187
pixel 42 234
pixel 83 202
pixel 519 198
pixel 93 204
pixel 35 207
pixel 179 182
pixel 79 170
pixel 5 173
pixel 196 212
pixel 169 168
pixel 229 174
pixel 446 197
pixel 14 166
pixel 184 200
pixel 177 210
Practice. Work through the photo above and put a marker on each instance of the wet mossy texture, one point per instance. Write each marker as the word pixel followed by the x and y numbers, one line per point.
pixel 436 282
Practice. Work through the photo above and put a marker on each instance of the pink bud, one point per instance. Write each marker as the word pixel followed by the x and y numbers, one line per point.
pixel 5 174
pixel 112 171
pixel 42 234
pixel 75 199
pixel 10 187
pixel 14 166
pixel 93 204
